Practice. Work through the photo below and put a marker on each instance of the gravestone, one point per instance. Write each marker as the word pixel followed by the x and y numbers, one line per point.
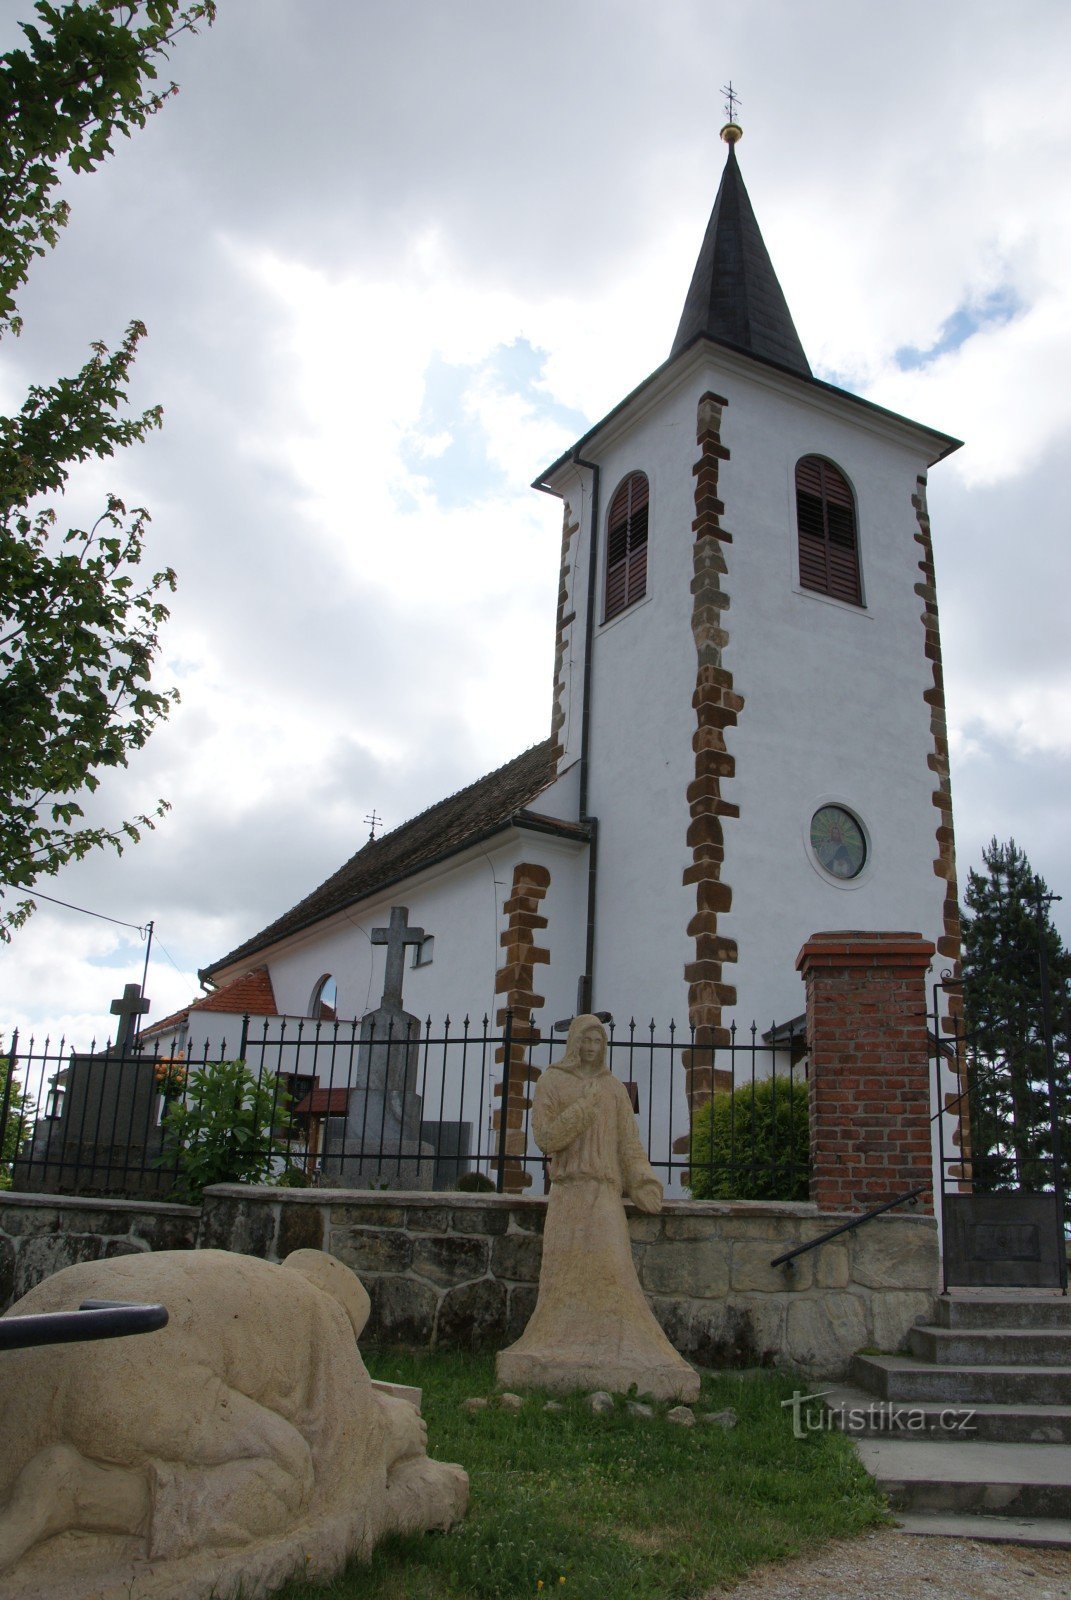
pixel 382 1146
pixel 105 1138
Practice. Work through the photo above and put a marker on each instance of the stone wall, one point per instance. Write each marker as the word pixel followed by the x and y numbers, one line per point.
pixel 39 1235
pixel 461 1270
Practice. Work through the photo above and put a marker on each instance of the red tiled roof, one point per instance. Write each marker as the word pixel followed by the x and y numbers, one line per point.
pixel 249 995
pixel 482 809
pixel 323 1103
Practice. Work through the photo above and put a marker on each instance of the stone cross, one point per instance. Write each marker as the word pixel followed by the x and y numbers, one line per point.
pixel 396 937
pixel 130 1006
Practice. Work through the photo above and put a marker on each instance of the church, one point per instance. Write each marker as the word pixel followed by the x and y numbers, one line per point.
pixel 747 737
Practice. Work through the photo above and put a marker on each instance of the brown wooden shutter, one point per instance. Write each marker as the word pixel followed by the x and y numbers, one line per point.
pixel 626 545
pixel 825 519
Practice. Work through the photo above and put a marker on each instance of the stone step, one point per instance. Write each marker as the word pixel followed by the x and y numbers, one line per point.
pixel 857 1413
pixel 1007 1308
pixel 1044 1532
pixel 1019 1480
pixel 907 1378
pixel 992 1347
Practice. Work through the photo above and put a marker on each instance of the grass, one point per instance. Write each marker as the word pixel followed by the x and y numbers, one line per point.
pixel 592 1506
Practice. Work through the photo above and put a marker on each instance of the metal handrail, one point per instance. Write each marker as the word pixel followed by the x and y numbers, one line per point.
pixel 789 1257
pixel 94 1319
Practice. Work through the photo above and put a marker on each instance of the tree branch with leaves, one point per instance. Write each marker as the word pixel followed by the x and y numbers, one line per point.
pixel 79 625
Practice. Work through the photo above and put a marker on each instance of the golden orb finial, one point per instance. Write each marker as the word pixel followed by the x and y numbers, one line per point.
pixel 732 132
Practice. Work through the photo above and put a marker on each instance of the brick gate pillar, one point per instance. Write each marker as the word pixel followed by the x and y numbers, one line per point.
pixel 869 1069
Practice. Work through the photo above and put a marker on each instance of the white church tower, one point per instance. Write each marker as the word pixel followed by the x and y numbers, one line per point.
pixel 748 741
pixel 748 695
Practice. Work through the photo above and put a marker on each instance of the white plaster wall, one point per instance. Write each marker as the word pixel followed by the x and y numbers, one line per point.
pixel 577 497
pixel 834 705
pixel 643 677
pixel 210 1036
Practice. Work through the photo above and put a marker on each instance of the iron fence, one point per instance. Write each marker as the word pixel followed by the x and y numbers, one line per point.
pixel 337 1104
pixel 1003 1152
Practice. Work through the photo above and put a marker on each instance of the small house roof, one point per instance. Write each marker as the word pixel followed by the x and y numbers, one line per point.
pixel 323 1103
pixel 251 994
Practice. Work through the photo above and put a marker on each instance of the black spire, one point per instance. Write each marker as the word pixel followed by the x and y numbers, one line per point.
pixel 734 296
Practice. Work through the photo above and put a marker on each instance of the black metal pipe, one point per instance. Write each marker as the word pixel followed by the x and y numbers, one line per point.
pixel 503 1110
pixel 855 1222
pixel 939 1115
pixel 585 992
pixel 96 1319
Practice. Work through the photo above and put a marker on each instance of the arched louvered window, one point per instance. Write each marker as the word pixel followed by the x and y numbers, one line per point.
pixel 825 517
pixel 626 545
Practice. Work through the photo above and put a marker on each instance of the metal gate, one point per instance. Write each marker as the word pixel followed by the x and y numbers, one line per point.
pixel 1003 1127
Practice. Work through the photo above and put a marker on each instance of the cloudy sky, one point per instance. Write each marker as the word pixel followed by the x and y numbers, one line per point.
pixel 393 258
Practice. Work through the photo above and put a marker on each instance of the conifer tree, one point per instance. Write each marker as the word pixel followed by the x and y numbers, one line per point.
pixel 1016 992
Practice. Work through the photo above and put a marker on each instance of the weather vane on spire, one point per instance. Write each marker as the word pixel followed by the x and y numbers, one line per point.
pixel 732 130
pixel 375 823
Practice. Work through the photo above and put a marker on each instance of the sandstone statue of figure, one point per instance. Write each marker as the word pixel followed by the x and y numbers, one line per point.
pixel 243 1442
pixel 592 1327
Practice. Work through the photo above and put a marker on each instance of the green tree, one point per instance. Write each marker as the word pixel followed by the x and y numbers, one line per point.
pixel 78 626
pixel 752 1144
pixel 15 1117
pixel 1008 934
pixel 224 1129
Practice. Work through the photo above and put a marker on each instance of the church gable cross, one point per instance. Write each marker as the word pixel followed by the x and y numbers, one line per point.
pixel 127 1008
pixel 396 937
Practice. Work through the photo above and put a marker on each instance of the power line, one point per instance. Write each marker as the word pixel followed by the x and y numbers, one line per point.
pixel 172 960
pixel 36 894
pixel 138 927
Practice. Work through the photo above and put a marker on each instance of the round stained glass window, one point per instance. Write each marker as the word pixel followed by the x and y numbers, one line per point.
pixel 838 842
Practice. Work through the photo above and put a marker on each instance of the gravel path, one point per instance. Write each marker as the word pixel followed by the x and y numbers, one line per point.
pixel 897 1566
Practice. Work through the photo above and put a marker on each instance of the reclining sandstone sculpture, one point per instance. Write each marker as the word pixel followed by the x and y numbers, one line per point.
pixel 243 1442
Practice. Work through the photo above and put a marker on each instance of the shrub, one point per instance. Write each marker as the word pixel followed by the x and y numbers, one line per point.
pixel 752 1144
pixel 222 1133
pixel 475 1183
pixel 293 1178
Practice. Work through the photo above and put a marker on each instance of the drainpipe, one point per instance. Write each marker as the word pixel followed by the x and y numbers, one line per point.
pixel 584 987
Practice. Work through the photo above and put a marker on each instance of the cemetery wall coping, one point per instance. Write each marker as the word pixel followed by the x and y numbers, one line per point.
pixel 461 1270
pixel 40 1234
